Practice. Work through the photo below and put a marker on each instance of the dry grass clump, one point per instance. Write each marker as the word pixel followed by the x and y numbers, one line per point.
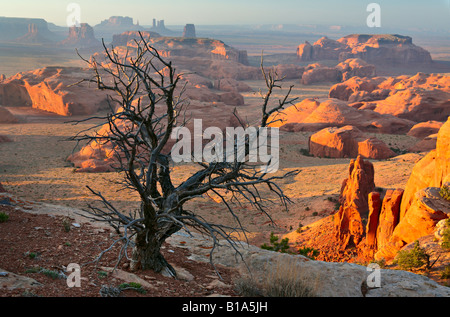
pixel 284 278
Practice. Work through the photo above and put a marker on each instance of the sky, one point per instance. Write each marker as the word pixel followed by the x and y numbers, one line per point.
pixel 430 14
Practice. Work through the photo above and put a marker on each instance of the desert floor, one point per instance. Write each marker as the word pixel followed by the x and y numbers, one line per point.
pixel 34 167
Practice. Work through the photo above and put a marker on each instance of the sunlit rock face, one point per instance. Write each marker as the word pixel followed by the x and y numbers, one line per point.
pixel 422 97
pixel 317 114
pixel 52 89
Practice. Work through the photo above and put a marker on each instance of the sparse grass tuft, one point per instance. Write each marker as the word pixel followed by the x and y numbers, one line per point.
pixel 284 279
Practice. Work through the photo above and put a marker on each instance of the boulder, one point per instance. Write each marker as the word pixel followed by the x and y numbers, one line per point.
pixel 424 129
pixel 6 116
pixel 347 141
pixel 356 67
pixel 231 85
pixel 320 75
pixel 426 145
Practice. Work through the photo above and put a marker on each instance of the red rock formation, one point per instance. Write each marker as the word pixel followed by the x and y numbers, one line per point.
pixel 417 98
pixel 422 207
pixel 81 37
pixel 426 145
pixel 317 114
pixel 354 203
pixel 356 67
pixel 389 216
pixel 424 129
pixel 2 189
pixel 321 75
pixel 430 171
pixel 347 141
pixel 50 89
pixel 231 85
pixel 375 204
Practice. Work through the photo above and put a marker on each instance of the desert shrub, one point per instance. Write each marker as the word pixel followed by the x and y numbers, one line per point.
pixel 3 217
pixel 445 192
pixel 309 252
pixel 284 279
pixel 305 152
pixel 413 259
pixel 445 243
pixel 276 246
pixel 66 224
pixel 446 273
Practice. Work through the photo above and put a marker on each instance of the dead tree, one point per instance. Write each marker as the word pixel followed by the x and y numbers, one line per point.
pixel 151 107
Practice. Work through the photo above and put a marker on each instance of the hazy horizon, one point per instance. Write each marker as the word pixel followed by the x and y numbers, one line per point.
pixel 414 14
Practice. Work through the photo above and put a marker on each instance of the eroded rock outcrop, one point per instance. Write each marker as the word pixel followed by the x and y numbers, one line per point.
pixel 52 89
pixel 317 114
pixel 354 203
pixel 422 207
pixel 316 73
pixel 419 98
pixel 347 141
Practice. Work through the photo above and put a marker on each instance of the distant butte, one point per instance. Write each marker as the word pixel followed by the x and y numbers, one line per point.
pixel 379 48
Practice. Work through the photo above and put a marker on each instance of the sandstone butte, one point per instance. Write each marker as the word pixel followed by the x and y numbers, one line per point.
pixel 80 37
pixel 419 98
pixel 347 141
pixel 50 89
pixel 380 48
pixel 316 114
pixel 402 215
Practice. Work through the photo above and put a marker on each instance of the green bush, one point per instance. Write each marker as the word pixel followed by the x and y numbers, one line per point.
pixel 414 259
pixel 276 246
pixel 3 217
pixel 309 252
pixel 445 243
pixel 445 192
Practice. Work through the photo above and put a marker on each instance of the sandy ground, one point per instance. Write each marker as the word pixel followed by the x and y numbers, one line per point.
pixel 34 167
